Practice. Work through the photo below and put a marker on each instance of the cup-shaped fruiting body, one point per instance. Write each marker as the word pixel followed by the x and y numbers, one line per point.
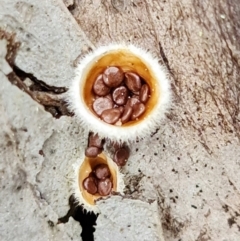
pixel 84 168
pixel 129 59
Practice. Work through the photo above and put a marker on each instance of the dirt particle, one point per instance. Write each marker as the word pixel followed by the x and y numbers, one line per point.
pixel 231 221
pixel 9 143
pixel 50 223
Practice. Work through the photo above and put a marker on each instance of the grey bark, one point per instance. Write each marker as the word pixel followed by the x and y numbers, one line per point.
pixel 189 166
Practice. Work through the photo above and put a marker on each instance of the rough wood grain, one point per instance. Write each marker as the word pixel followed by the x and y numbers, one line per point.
pixel 190 165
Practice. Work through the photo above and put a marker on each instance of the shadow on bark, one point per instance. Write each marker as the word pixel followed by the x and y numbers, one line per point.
pixel 86 219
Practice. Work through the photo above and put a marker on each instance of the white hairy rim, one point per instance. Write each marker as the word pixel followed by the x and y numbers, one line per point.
pixel 77 191
pixel 119 133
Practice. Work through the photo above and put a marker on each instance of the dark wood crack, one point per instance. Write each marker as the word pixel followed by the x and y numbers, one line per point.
pixel 46 95
pixel 86 219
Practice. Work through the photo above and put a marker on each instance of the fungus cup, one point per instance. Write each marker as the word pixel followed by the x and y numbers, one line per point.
pixel 83 167
pixel 128 58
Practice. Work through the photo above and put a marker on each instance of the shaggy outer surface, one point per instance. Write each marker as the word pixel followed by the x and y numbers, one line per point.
pixel 182 181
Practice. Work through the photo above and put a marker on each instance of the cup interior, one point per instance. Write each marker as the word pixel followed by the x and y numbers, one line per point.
pixel 87 167
pixel 127 61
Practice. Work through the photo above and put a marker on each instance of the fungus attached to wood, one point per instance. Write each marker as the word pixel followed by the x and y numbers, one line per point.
pixel 96 178
pixel 128 63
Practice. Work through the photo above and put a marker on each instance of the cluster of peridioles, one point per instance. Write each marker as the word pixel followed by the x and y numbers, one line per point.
pixel 81 99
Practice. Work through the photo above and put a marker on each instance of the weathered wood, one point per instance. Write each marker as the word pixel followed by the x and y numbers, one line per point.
pixel 190 165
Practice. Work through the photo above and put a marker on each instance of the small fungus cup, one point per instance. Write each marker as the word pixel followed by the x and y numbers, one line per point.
pixel 129 59
pixel 83 169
